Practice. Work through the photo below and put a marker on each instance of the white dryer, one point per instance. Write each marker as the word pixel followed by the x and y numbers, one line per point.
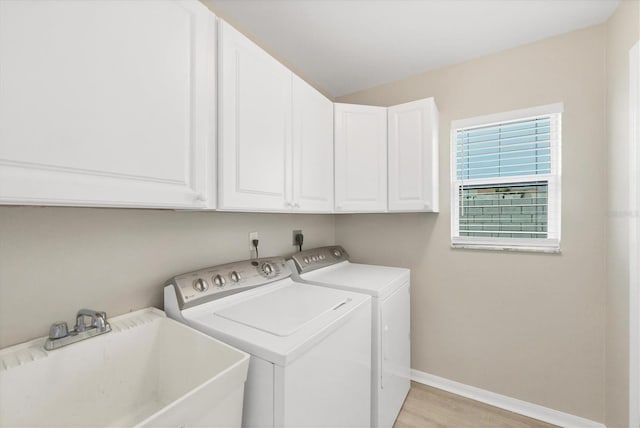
pixel 310 347
pixel 391 343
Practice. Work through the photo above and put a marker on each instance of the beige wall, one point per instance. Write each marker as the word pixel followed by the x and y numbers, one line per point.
pixel 54 261
pixel 529 326
pixel 623 30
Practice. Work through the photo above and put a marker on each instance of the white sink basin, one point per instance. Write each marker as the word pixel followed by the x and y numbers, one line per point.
pixel 148 371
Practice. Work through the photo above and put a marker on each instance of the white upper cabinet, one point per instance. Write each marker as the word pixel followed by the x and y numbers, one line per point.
pixel 275 149
pixel 413 156
pixel 254 126
pixel 360 158
pixel 312 149
pixel 107 103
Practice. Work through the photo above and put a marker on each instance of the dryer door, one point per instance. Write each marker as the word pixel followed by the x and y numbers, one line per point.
pixel 396 355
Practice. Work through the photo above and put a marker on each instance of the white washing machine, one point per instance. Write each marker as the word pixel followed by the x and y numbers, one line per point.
pixel 391 343
pixel 310 347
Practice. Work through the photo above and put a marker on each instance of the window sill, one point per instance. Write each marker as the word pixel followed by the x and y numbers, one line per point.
pixel 509 248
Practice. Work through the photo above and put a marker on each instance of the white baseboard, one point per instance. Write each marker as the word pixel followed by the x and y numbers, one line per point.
pixel 514 405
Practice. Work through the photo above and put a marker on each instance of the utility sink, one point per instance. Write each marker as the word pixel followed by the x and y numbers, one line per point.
pixel 148 371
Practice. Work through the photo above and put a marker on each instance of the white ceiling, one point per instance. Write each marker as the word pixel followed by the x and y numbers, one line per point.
pixel 347 45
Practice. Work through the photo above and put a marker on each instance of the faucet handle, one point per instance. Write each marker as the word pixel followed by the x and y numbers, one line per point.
pixel 58 330
pixel 100 321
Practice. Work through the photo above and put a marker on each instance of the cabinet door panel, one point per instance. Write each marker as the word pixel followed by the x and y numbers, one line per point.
pixel 360 158
pixel 122 115
pixel 413 156
pixel 312 149
pixel 260 140
pixel 255 126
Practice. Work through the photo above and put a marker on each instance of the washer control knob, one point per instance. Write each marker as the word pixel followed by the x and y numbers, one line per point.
pixel 322 257
pixel 218 280
pixel 306 260
pixel 235 276
pixel 267 268
pixel 314 258
pixel 337 253
pixel 200 284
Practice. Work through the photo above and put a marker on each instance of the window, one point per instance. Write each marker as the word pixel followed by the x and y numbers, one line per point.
pixel 505 191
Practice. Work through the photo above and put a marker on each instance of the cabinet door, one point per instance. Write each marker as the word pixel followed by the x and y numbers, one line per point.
pixel 312 149
pixel 254 148
pixel 413 156
pixel 360 158
pixel 107 103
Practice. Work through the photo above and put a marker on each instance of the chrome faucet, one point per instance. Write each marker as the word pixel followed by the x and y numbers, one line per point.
pixel 59 334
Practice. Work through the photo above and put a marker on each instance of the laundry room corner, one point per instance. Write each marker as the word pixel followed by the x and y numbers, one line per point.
pixel 474 312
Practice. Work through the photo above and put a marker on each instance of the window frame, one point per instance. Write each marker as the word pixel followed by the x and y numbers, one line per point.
pixel 550 244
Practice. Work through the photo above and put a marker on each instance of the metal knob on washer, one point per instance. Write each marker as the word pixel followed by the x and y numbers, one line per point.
pixel 267 268
pixel 235 276
pixel 219 281
pixel 200 284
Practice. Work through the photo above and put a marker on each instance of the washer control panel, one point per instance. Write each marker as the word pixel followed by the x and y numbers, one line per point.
pixel 212 283
pixel 309 260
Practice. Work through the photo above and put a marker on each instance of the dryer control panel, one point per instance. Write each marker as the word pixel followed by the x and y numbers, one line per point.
pixel 316 258
pixel 215 282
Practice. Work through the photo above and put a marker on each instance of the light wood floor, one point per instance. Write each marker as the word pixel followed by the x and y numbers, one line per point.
pixel 427 407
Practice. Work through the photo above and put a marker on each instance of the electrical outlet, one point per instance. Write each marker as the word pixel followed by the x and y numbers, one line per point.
pixel 252 236
pixel 293 237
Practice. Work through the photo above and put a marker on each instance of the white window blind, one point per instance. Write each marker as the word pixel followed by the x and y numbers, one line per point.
pixel 506 180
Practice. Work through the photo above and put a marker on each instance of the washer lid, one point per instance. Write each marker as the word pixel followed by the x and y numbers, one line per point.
pixel 378 281
pixel 285 311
